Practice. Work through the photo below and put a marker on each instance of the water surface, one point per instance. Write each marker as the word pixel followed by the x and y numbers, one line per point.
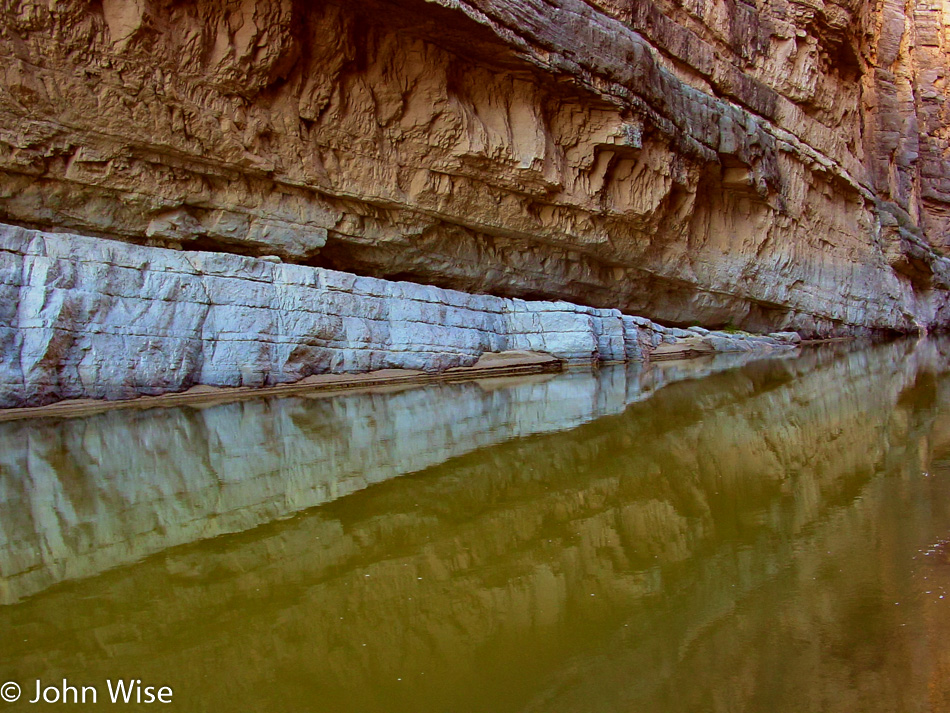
pixel 765 538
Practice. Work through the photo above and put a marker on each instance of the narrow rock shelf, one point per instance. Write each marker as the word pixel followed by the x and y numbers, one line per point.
pixel 490 366
pixel 98 320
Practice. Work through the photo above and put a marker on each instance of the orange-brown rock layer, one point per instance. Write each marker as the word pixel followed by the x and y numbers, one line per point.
pixel 773 165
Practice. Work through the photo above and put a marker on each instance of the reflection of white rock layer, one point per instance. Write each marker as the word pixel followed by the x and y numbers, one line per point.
pixel 78 496
pixel 704 518
pixel 87 317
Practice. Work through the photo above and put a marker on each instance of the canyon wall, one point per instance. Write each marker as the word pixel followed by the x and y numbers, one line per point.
pixel 769 164
pixel 85 317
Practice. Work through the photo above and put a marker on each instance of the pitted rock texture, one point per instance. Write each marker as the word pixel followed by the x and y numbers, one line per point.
pixel 88 317
pixel 769 164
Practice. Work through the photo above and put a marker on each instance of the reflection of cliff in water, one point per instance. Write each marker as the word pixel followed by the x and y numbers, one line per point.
pixel 681 555
pixel 78 496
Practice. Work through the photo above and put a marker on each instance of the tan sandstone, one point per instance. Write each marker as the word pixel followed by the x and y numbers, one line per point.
pixel 769 164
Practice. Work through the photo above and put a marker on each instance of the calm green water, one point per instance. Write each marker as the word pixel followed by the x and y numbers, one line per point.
pixel 765 536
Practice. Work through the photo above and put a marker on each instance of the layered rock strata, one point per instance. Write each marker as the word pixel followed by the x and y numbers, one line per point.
pixel 87 317
pixel 774 165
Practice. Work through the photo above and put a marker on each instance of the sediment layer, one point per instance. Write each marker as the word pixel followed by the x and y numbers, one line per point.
pixel 92 318
pixel 773 165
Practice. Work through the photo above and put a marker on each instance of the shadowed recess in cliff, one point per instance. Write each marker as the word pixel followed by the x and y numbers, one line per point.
pixel 727 540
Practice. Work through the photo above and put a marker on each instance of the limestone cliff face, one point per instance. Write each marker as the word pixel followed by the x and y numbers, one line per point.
pixel 88 317
pixel 769 164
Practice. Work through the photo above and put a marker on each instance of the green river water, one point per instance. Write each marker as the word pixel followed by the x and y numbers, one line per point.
pixel 755 535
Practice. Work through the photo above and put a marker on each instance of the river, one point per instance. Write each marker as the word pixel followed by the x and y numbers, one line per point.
pixel 717 535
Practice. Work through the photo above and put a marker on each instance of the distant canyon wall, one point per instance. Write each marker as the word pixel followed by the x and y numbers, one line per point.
pixel 771 165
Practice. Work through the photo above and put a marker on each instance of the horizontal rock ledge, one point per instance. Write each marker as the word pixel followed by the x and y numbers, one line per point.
pixel 491 368
pixel 91 318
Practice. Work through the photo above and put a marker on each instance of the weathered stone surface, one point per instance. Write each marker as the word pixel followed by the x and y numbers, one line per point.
pixel 713 163
pixel 88 317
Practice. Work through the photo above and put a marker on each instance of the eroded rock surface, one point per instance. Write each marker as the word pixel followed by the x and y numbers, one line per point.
pixel 771 164
pixel 87 317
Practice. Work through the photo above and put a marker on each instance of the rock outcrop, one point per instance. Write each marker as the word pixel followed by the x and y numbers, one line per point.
pixel 773 165
pixel 94 318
